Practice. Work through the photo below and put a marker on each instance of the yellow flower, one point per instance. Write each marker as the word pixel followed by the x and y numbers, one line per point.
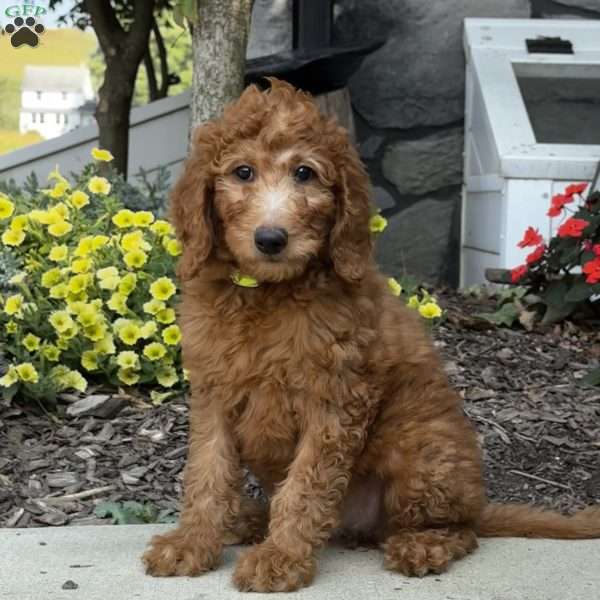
pixel 99 185
pixel 58 253
pixel 13 237
pixel 143 218
pixel 99 241
pixel 135 259
pixel 55 175
pixel 75 380
pixel 19 222
pixel 171 335
pixel 118 303
pixel 31 342
pixel 59 229
pixel 129 334
pixel 134 240
pixel 124 218
pixel 377 224
pixel 79 199
pixel 88 315
pixel 59 190
pixel 128 360
pixel 61 321
pixel 106 345
pixel 109 278
pixel 18 278
pixel 128 376
pixel 413 302
pixel 186 375
pixel 9 378
pixel 7 208
pixel 78 283
pixel 244 280
pixel 167 376
pixel 13 304
pixel 85 246
pixel 95 332
pixel 11 327
pixel 153 306
pixel 161 227
pixel 128 284
pixel 154 351
pixel 165 316
pixel 51 353
pixel 51 277
pixel 89 360
pixel 148 329
pixel 70 332
pixel 394 286
pixel 173 247
pixel 81 265
pixel 163 288
pixel 59 291
pixel 102 155
pixel 27 372
pixel 430 310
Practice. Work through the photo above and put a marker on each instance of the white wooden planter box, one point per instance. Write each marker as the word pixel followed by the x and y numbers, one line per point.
pixel 532 127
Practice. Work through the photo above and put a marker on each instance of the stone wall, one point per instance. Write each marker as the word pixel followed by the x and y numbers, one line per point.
pixel 408 99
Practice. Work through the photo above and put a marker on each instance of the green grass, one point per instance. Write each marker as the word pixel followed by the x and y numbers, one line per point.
pixel 58 47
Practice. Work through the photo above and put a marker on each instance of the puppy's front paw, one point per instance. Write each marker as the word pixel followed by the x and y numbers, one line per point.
pixel 180 553
pixel 264 568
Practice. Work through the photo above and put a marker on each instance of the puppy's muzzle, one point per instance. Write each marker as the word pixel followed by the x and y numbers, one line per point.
pixel 270 240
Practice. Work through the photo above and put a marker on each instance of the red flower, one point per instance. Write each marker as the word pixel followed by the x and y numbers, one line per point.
pixel 596 249
pixel 536 254
pixel 531 237
pixel 575 188
pixel 558 203
pixel 518 273
pixel 592 270
pixel 572 228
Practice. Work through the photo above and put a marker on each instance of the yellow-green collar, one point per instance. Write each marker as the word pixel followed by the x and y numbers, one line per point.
pixel 244 280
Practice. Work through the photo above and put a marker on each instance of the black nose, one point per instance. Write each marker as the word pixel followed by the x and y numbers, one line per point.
pixel 270 240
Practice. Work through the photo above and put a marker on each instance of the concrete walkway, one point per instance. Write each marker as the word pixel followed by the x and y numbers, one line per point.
pixel 103 564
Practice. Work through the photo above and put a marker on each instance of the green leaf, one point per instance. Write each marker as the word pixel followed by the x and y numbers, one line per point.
pixel 556 313
pixel 579 291
pixel 555 293
pixel 506 315
pixel 121 514
pixel 592 378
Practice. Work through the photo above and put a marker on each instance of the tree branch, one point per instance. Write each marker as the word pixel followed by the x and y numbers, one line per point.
pixel 106 25
pixel 162 57
pixel 151 75
pixel 139 32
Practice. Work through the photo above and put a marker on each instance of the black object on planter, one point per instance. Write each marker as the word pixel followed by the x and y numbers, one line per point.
pixel 313 64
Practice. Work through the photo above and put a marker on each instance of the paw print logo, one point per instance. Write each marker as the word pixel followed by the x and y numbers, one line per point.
pixel 24 31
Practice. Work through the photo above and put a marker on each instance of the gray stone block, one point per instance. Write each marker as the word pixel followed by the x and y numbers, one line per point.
pixel 417 78
pixel 271 27
pixel 382 199
pixel 368 148
pixel 416 241
pixel 427 164
pixel 587 4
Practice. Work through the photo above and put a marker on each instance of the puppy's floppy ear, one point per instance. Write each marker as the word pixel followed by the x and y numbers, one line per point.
pixel 350 241
pixel 191 204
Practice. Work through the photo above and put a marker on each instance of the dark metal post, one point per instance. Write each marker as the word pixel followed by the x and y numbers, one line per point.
pixel 312 24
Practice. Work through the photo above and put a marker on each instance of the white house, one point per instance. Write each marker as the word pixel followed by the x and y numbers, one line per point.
pixel 55 100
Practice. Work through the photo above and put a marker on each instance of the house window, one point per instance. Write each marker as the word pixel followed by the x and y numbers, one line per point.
pixel 64 95
pixel 58 117
pixel 41 117
pixel 39 95
pixel 66 118
pixel 33 117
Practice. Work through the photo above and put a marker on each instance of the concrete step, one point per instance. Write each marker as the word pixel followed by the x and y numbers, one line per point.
pixel 104 563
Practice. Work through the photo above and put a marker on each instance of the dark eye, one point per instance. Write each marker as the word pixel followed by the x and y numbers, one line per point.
pixel 245 173
pixel 303 173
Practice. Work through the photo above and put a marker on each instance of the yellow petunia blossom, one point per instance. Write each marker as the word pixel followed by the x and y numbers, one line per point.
pixel 27 372
pixel 165 316
pixel 13 237
pixel 59 190
pixel 95 332
pixel 134 240
pixel 85 246
pixel 118 303
pixel 56 176
pixel 89 360
pixel 13 304
pixel 19 222
pixel 18 278
pixel 162 227
pixel 59 229
pixel 106 345
pixel 128 360
pixel 135 259
pixel 148 329
pixel 58 253
pixel 108 278
pixel 430 310
pixel 61 320
pixel 79 199
pixel 163 288
pixel 128 376
pixel 7 208
pixel 78 283
pixel 413 302
pixel 88 315
pixel 51 353
pixel 99 241
pixel 173 247
pixel 9 378
pixel 128 283
pixel 154 351
pixel 377 224
pixel 124 218
pixel 51 277
pixel 70 332
pixel 99 185
pixel 31 342
pixel 167 376
pixel 75 380
pixel 81 265
pixel 11 327
pixel 129 334
pixel 244 280
pixel 59 291
pixel 143 218
pixel 102 155
pixel 171 335
pixel 153 306
pixel 394 286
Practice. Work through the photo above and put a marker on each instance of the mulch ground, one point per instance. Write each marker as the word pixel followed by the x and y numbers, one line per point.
pixel 539 429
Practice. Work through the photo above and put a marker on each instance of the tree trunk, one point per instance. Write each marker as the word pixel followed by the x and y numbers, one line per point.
pixel 219 41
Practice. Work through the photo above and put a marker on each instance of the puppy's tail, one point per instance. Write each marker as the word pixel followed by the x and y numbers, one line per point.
pixel 519 520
